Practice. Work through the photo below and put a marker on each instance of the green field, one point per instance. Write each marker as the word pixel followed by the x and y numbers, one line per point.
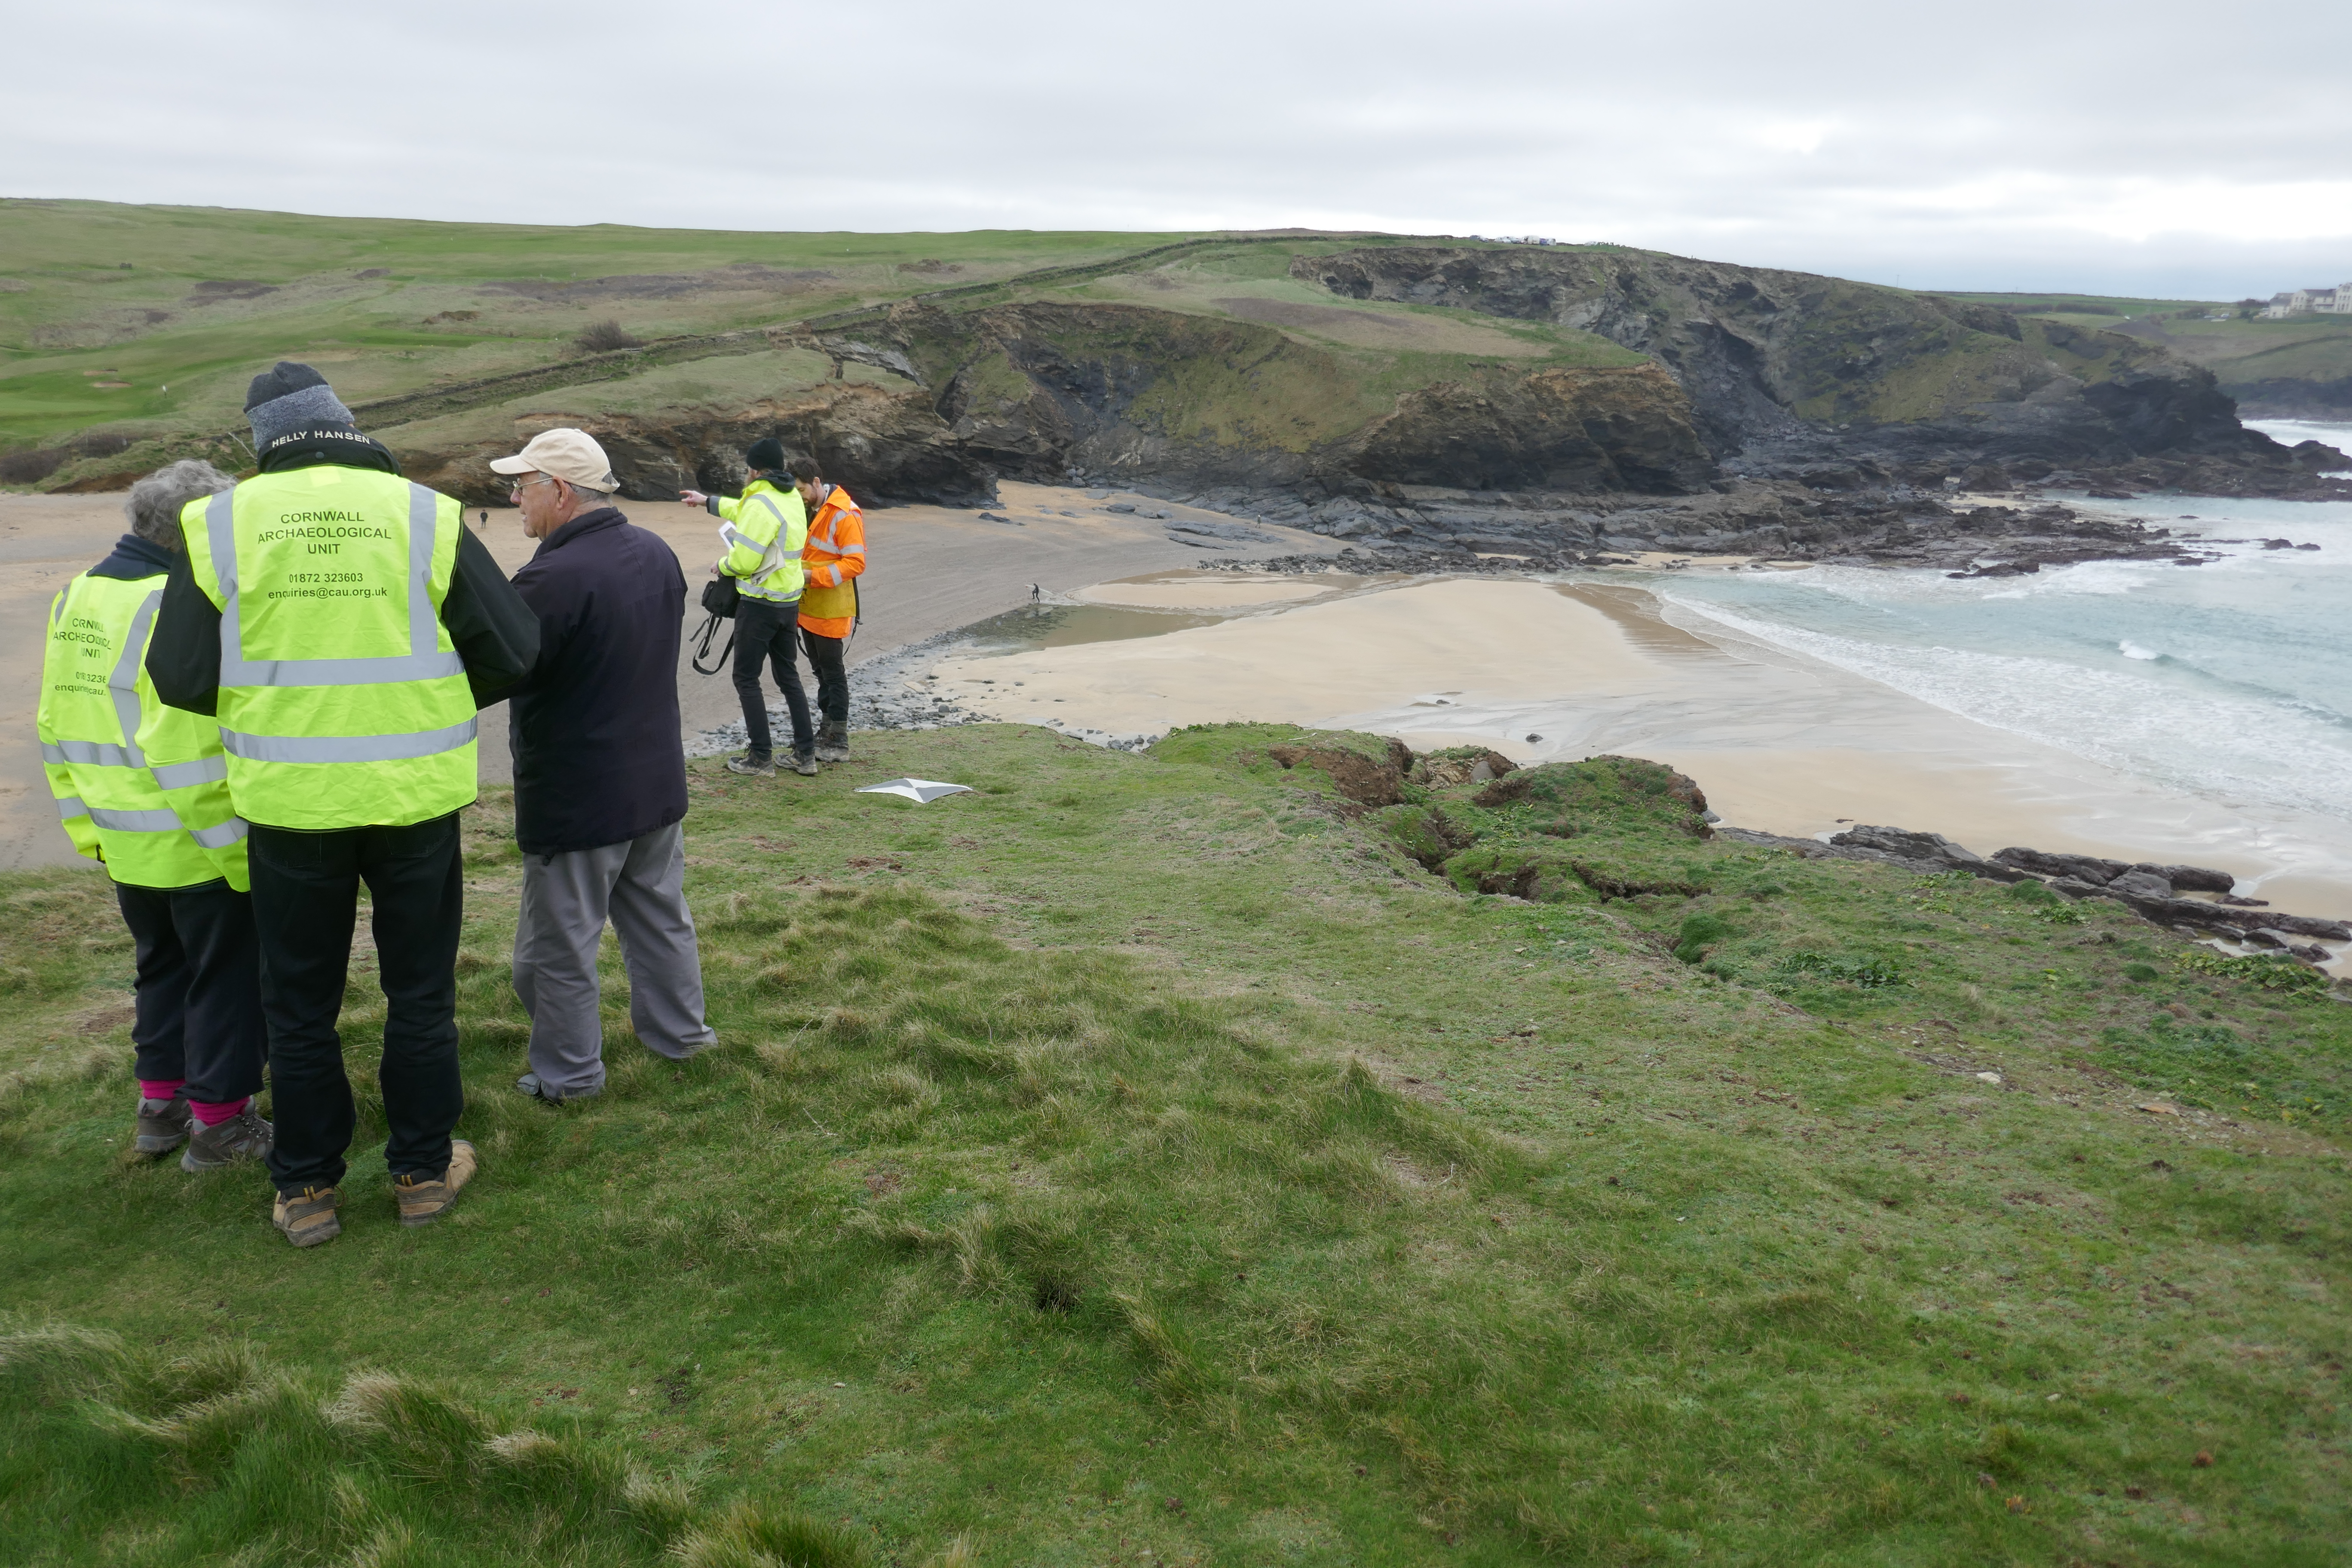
pixel 144 324
pixel 94 291
pixel 1148 1159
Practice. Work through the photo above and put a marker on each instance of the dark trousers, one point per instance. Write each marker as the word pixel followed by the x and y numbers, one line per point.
pixel 197 1014
pixel 825 654
pixel 769 634
pixel 305 901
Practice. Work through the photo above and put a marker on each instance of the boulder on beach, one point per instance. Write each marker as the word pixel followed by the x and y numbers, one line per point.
pixel 2138 884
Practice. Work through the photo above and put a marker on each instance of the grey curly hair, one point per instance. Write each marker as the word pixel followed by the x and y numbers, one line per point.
pixel 154 507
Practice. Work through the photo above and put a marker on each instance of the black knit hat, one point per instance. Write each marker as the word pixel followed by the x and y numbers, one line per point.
pixel 764 454
pixel 287 397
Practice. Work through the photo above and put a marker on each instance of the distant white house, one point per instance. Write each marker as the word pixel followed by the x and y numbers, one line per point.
pixel 2335 301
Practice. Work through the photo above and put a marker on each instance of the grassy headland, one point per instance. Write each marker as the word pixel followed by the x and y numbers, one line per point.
pixel 1149 1158
pixel 2296 366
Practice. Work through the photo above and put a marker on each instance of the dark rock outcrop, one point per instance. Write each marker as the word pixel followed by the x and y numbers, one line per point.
pixel 2087 868
pixel 1801 376
pixel 1583 430
pixel 1929 848
pixel 885 446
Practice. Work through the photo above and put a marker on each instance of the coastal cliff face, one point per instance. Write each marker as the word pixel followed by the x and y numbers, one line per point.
pixel 1432 391
pixel 1790 368
pixel 1040 390
pixel 1124 394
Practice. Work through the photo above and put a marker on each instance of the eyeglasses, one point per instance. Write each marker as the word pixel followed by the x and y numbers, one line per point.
pixel 514 490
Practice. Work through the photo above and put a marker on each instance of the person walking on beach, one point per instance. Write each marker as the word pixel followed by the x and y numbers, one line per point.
pixel 764 529
pixel 600 773
pixel 143 789
pixel 343 625
pixel 831 564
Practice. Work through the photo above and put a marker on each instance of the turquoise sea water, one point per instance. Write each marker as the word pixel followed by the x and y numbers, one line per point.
pixel 2232 681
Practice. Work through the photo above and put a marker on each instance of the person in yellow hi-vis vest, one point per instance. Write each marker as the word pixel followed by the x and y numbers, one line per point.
pixel 834 561
pixel 343 625
pixel 143 789
pixel 764 529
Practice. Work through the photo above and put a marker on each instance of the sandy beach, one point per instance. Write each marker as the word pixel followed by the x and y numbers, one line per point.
pixel 1544 673
pixel 1539 672
pixel 934 568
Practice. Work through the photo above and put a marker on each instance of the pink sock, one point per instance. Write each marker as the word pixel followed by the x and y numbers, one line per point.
pixel 214 1115
pixel 161 1088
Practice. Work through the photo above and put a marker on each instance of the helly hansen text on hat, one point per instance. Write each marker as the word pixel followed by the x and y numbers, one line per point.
pixel 567 453
pixel 290 397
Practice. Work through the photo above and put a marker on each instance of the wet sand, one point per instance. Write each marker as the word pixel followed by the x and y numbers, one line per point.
pixel 933 569
pixel 1543 673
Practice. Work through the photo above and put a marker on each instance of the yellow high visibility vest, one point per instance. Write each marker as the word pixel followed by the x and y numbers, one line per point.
pixel 764 531
pixel 138 785
pixel 343 702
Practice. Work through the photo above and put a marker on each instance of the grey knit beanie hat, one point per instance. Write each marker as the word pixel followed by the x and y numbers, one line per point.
pixel 289 398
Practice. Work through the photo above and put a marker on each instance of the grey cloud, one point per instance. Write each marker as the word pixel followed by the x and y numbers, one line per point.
pixel 2146 147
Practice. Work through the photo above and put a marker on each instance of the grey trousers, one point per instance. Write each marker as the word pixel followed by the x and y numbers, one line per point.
pixel 566 900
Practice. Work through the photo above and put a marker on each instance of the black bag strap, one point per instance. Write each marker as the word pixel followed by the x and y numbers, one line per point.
pixel 702 640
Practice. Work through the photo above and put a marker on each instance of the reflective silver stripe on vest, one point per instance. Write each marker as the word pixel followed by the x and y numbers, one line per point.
pixel 123 684
pixel 220 837
pixel 180 776
pixel 348 748
pixel 89 754
pixel 70 806
pixel 136 821
pixel 423 661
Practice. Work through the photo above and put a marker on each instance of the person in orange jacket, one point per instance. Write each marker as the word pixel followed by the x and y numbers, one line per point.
pixel 832 562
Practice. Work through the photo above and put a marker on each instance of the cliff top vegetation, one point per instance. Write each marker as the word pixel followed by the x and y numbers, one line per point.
pixel 1154 1156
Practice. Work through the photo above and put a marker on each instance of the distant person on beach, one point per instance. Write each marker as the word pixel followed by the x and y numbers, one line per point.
pixel 600 773
pixel 831 562
pixel 764 529
pixel 143 789
pixel 344 625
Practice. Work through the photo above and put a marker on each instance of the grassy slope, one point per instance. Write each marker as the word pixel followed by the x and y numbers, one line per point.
pixel 1138 1156
pixel 79 311
pixel 2239 352
pixel 438 317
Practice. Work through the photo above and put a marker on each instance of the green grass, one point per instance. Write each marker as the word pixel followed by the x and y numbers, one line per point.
pixel 69 305
pixel 1148 1154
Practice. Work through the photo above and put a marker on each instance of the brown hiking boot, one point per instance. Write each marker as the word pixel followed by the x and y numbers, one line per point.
pixel 833 742
pixel 752 765
pixel 245 1136
pixel 164 1125
pixel 805 764
pixel 307 1217
pixel 424 1201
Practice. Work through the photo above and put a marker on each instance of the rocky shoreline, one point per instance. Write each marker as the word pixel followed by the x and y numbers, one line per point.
pixel 2153 891
pixel 1767 521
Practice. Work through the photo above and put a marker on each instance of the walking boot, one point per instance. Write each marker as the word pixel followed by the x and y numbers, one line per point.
pixel 163 1124
pixel 833 742
pixel 245 1136
pixel 805 764
pixel 307 1217
pixel 425 1199
pixel 752 765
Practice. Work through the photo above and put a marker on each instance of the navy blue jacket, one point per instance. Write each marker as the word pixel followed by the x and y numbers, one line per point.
pixel 598 758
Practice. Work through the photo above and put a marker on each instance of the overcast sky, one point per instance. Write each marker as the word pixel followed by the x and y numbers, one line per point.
pixel 2155 146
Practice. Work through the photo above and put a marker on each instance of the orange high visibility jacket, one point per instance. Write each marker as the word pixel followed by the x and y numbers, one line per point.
pixel 835 556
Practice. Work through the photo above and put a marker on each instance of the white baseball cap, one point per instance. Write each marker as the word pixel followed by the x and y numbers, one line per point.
pixel 565 453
